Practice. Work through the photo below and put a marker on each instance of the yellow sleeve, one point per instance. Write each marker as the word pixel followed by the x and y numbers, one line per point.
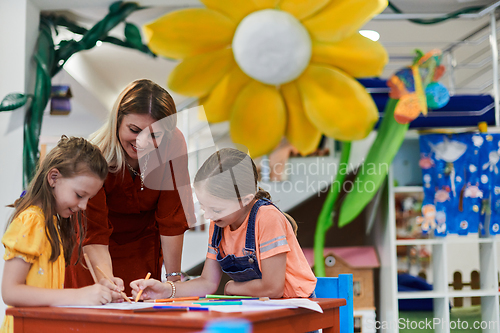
pixel 25 237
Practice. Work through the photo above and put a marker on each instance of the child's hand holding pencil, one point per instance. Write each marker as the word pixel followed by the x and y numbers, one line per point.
pixel 118 294
pixel 150 289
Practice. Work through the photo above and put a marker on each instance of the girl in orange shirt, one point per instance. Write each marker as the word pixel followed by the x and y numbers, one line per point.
pixel 251 240
pixel 40 235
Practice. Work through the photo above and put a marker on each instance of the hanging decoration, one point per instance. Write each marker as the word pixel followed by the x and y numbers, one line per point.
pixel 409 96
pixel 275 68
pixel 60 103
pixel 51 58
pixel 412 89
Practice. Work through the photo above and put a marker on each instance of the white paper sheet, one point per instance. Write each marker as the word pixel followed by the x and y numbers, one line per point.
pixel 247 306
pixel 255 305
pixel 295 302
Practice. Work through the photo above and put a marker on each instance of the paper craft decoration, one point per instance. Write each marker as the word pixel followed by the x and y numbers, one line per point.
pixel 416 87
pixel 60 103
pixel 461 182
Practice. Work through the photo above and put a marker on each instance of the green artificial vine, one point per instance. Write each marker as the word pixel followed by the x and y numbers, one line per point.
pixel 452 15
pixel 325 218
pixel 51 58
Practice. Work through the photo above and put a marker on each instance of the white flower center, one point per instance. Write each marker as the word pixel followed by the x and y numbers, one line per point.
pixel 272 46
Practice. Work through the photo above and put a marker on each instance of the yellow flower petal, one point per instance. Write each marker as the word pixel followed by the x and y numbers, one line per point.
pixel 357 55
pixel 258 118
pixel 264 4
pixel 236 11
pixel 299 130
pixel 218 104
pixel 302 9
pixel 336 104
pixel 342 18
pixel 197 75
pixel 188 32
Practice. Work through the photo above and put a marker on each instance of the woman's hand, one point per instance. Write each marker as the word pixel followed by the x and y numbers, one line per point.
pixel 96 294
pixel 152 289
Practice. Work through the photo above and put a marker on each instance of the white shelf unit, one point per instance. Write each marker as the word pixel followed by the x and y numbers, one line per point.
pixel 461 69
pixel 384 237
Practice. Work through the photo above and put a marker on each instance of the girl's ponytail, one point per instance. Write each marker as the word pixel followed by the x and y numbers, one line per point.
pixel 292 221
pixel 262 194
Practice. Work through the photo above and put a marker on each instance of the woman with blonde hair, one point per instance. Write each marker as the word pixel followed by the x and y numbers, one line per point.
pixel 137 220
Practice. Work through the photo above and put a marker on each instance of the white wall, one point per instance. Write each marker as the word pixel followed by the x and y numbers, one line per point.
pixel 18 31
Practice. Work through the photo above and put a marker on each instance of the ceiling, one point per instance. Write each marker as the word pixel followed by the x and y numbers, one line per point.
pixel 104 71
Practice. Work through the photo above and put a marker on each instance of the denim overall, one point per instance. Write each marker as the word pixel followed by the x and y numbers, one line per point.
pixel 244 268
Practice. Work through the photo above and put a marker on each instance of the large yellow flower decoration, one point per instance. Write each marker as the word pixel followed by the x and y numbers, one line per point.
pixel 275 68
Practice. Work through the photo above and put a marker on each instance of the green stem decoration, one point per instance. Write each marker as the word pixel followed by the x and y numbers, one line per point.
pixel 374 169
pixel 51 58
pixel 390 135
pixel 325 219
pixel 44 57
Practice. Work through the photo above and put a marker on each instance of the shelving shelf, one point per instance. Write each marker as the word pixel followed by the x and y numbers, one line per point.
pixel 408 189
pixel 473 293
pixel 450 294
pixel 384 238
pixel 420 294
pixel 445 240
pixel 428 241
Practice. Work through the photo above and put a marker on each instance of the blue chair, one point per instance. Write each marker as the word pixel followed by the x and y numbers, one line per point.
pixel 339 287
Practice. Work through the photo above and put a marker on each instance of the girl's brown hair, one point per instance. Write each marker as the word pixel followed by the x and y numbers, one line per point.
pixel 139 97
pixel 241 178
pixel 72 157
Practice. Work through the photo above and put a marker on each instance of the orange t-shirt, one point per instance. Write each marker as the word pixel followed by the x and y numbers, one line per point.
pixel 273 235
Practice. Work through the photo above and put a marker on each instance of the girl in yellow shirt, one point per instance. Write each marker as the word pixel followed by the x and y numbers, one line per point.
pixel 41 232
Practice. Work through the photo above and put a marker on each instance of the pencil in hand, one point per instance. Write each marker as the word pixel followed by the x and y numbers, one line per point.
pixel 140 291
pixel 107 277
pixel 89 265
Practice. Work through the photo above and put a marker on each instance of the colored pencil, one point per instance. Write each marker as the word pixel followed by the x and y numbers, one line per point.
pixel 190 308
pixel 178 299
pixel 140 291
pixel 89 265
pixel 239 298
pixel 107 277
pixel 220 303
pixel 162 309
pixel 183 304
pixel 228 296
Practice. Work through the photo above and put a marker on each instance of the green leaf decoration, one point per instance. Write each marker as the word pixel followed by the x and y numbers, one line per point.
pixel 115 7
pixel 13 101
pixel 389 138
pixel 133 35
pixel 50 59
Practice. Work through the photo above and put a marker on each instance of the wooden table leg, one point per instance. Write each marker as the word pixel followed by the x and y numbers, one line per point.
pixel 336 327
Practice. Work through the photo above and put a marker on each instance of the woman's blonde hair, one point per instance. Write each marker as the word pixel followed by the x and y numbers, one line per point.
pixel 72 157
pixel 240 180
pixel 139 97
